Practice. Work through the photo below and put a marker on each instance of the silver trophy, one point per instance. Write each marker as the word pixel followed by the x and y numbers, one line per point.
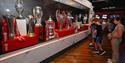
pixel 20 20
pixel 51 27
pixel 10 23
pixel 19 7
pixel 38 13
pixel 30 26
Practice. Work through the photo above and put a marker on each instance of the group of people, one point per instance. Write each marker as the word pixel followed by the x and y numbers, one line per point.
pixel 115 36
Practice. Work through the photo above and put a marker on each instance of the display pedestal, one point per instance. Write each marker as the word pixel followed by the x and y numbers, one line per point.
pixel 64 32
pixel 42 51
pixel 21 26
pixel 19 42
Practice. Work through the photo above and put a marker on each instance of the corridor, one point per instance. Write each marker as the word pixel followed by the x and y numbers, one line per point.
pixel 80 53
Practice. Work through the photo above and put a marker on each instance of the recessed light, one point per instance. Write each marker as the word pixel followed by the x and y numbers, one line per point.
pixel 7 10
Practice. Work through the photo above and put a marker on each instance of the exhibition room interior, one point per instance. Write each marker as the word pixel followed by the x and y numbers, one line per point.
pixel 62 31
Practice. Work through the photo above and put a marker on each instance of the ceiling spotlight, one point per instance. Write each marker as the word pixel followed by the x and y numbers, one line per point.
pixel 7 10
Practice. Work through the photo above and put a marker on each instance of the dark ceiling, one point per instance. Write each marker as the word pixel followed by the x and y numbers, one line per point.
pixel 102 5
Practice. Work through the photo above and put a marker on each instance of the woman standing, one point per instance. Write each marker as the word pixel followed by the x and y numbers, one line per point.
pixel 116 38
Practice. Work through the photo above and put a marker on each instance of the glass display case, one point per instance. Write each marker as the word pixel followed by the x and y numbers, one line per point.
pixel 20 31
pixel 35 38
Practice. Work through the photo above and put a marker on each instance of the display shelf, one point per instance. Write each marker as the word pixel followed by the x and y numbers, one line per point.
pixel 42 51
pixel 65 32
pixel 85 27
pixel 15 44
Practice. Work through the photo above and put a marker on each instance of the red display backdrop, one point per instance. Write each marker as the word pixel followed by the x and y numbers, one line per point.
pixel 85 27
pixel 64 32
pixel 17 41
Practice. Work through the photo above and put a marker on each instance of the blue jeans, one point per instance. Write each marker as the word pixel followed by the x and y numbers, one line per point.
pixel 98 39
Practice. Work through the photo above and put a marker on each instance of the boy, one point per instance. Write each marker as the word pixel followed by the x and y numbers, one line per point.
pixel 99 34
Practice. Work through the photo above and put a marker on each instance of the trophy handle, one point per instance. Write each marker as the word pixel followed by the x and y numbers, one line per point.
pixel 34 15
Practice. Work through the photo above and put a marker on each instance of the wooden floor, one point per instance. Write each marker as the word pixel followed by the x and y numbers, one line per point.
pixel 80 53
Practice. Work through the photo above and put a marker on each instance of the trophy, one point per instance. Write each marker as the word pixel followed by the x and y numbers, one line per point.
pixel 59 24
pixel 4 29
pixel 38 13
pixel 21 22
pixel 76 23
pixel 19 8
pixel 69 19
pixel 31 26
pixel 85 18
pixel 62 18
pixel 79 21
pixel 50 26
pixel 10 23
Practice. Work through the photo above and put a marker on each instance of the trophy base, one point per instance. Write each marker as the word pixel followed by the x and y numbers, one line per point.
pixel 60 29
pixel 22 27
pixel 51 37
pixel 11 36
pixel 20 18
pixel 31 34
pixel 76 31
pixel 38 25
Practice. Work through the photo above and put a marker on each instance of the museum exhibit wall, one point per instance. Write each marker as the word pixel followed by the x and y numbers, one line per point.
pixel 49 7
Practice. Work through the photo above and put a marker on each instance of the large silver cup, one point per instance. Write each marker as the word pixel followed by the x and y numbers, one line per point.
pixel 19 7
pixel 38 13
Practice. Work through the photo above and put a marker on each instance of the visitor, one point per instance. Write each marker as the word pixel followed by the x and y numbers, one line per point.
pixel 99 34
pixel 92 44
pixel 116 38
